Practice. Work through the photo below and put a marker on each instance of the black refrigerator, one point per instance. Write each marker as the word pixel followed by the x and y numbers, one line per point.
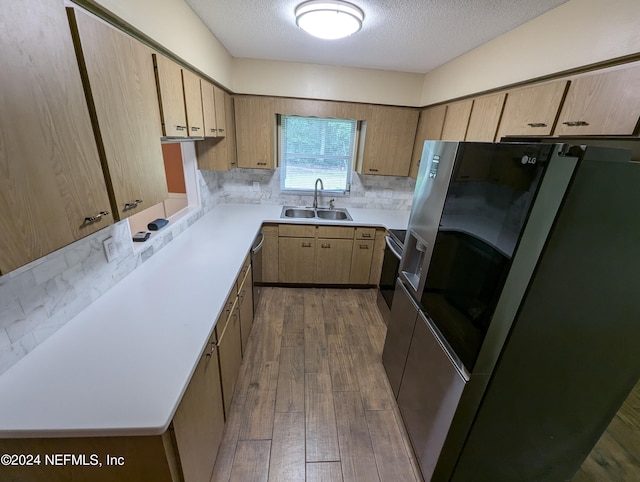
pixel 514 330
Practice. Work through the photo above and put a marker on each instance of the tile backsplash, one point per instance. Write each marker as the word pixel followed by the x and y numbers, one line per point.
pixel 39 298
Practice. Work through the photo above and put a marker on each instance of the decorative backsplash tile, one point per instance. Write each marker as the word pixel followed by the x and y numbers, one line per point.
pixel 39 298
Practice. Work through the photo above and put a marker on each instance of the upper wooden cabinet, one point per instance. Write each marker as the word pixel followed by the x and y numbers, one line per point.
pixel 429 128
pixel 602 104
pixel 485 117
pixel 532 111
pixel 255 131
pixel 219 153
pixel 118 71
pixel 171 97
pixel 209 109
pixel 193 103
pixel 456 121
pixel 389 135
pixel 221 111
pixel 51 177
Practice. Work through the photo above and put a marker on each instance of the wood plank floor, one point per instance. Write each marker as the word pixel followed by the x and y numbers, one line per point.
pixel 616 456
pixel 312 401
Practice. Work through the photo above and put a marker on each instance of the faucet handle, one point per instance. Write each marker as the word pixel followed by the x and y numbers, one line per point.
pixel 332 203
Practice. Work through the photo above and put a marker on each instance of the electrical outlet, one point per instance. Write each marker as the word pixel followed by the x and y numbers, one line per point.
pixel 255 186
pixel 110 249
pixel 387 193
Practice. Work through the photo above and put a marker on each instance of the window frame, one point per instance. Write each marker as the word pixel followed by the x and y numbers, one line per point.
pixel 352 162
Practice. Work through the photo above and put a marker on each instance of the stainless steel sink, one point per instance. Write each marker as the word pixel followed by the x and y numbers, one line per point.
pixel 293 212
pixel 298 213
pixel 335 214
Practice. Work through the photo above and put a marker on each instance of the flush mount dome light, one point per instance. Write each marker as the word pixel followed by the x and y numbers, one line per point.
pixel 329 19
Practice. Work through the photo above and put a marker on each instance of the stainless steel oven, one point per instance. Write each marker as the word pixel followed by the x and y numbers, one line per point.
pixel 390 266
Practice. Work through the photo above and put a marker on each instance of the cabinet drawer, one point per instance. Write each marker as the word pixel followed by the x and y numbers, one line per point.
pixel 365 233
pixel 297 231
pixel 226 311
pixel 243 273
pixel 335 232
pixel 270 229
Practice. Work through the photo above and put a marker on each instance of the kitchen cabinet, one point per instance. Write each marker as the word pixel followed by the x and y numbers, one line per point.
pixel 229 350
pixel 377 257
pixel 219 153
pixel 333 260
pixel 209 109
pixel 118 74
pixel 361 261
pixel 270 254
pixel 52 183
pixel 221 111
pixel 485 118
pixel 199 420
pixel 296 259
pixel 607 104
pixel 456 121
pixel 255 131
pixel 245 301
pixel 532 111
pixel 387 139
pixel 429 128
pixel 193 103
pixel 171 96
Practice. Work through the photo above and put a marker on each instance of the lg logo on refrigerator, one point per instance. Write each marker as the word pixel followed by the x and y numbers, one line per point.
pixel 528 160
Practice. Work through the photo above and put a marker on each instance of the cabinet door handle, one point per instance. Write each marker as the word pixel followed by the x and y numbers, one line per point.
pixel 306 245
pixel 373 170
pixel 366 235
pixel 213 130
pixel 537 124
pixel 212 349
pixel 364 246
pixel 576 123
pixel 195 128
pixel 262 164
pixel 97 217
pixel 221 130
pixel 326 245
pixel 133 204
pixel 181 128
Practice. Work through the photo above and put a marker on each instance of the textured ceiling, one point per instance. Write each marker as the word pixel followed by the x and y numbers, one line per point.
pixel 401 35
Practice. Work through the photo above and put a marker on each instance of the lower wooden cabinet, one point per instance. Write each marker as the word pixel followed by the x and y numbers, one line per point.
pixel 333 261
pixel 245 303
pixel 230 353
pixel 296 260
pixel 361 261
pixel 199 421
pixel 270 254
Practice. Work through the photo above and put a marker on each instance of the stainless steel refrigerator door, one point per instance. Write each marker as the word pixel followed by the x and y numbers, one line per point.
pixel 428 200
pixel 429 394
pixel 404 313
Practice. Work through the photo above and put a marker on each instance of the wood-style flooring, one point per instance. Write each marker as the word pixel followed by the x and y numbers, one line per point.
pixel 312 401
pixel 616 456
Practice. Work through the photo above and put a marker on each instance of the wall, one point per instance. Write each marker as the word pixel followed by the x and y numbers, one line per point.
pixel 291 79
pixel 176 27
pixel 575 34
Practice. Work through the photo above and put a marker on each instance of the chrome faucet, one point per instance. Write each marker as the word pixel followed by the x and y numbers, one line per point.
pixel 315 193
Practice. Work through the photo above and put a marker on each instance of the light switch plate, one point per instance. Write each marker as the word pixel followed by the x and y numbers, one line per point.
pixel 110 249
pixel 255 186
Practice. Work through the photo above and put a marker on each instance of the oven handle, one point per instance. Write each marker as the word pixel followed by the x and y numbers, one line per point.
pixel 392 246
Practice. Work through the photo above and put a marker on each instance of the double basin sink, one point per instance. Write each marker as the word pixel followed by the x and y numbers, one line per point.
pixel 337 214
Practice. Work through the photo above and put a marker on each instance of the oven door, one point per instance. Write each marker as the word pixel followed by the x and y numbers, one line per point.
pixel 390 266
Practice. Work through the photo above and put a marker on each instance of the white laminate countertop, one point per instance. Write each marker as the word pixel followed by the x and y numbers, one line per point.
pixel 120 367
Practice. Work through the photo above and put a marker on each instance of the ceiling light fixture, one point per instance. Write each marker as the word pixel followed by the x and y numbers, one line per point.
pixel 329 20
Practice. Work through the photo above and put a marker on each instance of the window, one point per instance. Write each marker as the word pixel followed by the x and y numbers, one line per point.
pixel 314 147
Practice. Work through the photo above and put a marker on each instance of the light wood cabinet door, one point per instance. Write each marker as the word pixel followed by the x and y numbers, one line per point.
pixel 199 420
pixel 51 178
pixel 119 71
pixel 296 260
pixel 378 257
pixel 270 254
pixel 208 109
pixel 221 113
pixel 193 103
pixel 255 132
pixel 171 96
pixel 232 155
pixel 606 104
pixel 456 121
pixel 219 153
pixel 485 118
pixel 389 134
pixel 429 128
pixel 230 353
pixel 333 261
pixel 361 261
pixel 245 300
pixel 532 111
